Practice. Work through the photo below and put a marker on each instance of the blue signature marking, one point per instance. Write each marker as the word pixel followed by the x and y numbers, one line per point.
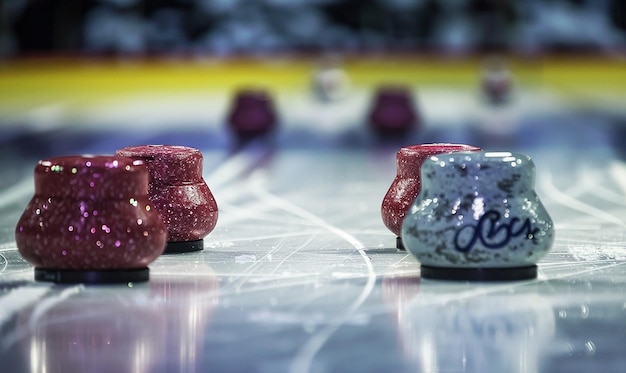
pixel 493 234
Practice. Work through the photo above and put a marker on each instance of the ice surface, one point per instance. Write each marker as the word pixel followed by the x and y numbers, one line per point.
pixel 301 275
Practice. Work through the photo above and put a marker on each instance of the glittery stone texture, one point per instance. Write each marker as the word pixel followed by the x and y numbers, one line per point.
pixel 90 213
pixel 177 189
pixel 407 183
pixel 478 210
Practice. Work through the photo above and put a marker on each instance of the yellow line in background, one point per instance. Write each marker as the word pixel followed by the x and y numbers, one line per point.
pixel 24 83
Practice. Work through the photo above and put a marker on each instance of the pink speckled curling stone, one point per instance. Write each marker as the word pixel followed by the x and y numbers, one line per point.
pixel 478 217
pixel 407 183
pixel 90 221
pixel 179 192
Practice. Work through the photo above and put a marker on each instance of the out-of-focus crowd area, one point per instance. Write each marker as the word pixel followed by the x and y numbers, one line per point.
pixel 232 27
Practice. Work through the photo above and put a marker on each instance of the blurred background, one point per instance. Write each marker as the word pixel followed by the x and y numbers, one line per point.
pixel 71 71
pixel 234 27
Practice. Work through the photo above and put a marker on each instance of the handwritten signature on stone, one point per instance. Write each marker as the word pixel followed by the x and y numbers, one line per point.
pixel 494 234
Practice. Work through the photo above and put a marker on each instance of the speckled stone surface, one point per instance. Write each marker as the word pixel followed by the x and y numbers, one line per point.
pixel 478 210
pixel 90 213
pixel 177 189
pixel 407 183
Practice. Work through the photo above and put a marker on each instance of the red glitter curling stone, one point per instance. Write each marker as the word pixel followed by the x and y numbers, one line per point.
pixel 90 221
pixel 252 115
pixel 407 183
pixel 179 192
pixel 393 113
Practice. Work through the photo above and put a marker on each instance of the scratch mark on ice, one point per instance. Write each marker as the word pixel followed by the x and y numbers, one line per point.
pixel 303 359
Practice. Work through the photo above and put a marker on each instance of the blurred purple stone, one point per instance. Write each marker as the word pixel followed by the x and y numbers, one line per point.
pixel 393 113
pixel 252 115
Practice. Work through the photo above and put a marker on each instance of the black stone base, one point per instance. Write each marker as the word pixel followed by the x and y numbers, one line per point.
pixel 176 247
pixel 399 244
pixel 479 274
pixel 113 276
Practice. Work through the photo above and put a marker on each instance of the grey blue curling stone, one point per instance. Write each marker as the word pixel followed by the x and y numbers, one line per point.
pixel 477 217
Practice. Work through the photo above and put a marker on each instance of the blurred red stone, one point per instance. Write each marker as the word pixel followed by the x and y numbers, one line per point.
pixel 407 183
pixel 393 113
pixel 252 114
pixel 179 192
pixel 90 213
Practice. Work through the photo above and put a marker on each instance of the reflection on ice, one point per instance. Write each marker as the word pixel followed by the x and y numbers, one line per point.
pixel 145 328
pixel 83 333
pixel 496 333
